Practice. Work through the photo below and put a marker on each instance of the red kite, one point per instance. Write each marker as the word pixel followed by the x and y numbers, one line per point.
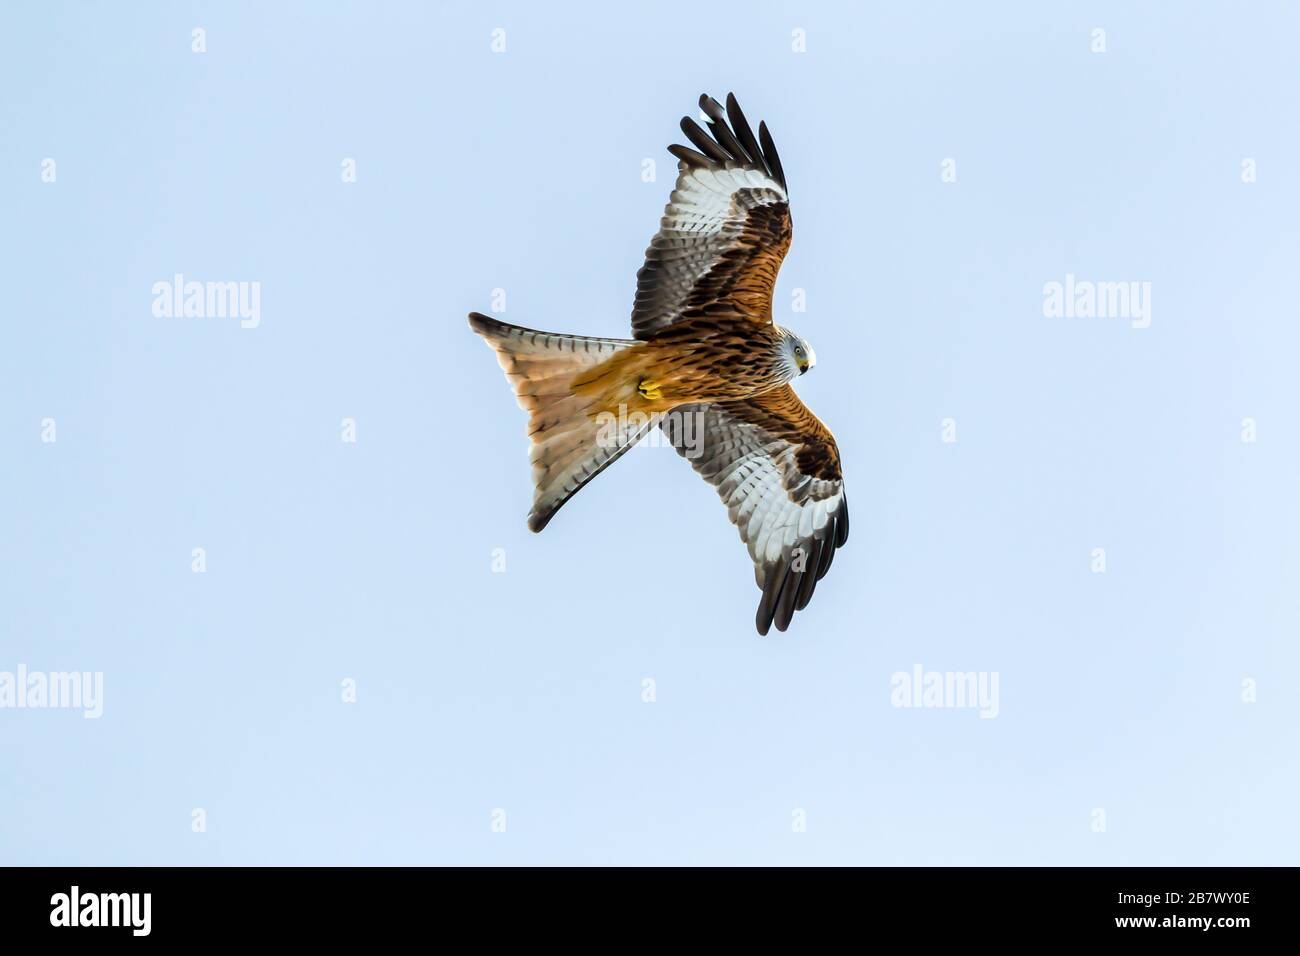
pixel 705 350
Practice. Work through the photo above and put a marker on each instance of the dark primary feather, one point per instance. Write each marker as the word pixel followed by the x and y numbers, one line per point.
pixel 769 153
pixel 703 141
pixel 689 156
pixel 743 132
pixel 721 132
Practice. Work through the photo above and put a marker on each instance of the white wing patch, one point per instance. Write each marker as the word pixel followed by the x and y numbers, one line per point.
pixel 702 221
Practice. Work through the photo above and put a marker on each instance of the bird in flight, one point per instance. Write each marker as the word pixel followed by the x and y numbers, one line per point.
pixel 707 364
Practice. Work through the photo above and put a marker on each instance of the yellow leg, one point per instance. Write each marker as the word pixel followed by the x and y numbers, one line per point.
pixel 650 389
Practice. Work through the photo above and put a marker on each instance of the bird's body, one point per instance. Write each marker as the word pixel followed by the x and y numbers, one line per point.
pixel 701 361
pixel 705 344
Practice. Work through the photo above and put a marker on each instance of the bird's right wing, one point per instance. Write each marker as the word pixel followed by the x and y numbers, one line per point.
pixel 725 230
pixel 777 469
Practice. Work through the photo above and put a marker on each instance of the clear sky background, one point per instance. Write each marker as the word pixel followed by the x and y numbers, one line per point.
pixel 1120 692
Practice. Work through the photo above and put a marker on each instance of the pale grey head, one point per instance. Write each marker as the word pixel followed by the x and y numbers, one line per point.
pixel 794 354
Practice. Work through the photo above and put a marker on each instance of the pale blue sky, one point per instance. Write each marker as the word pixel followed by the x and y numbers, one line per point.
pixel 523 171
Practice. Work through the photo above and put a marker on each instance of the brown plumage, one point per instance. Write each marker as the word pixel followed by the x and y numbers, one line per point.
pixel 706 353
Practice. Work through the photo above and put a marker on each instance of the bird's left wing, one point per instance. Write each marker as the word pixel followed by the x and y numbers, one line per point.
pixel 725 230
pixel 777 469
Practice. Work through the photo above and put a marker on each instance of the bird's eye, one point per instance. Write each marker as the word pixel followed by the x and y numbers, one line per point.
pixel 798 350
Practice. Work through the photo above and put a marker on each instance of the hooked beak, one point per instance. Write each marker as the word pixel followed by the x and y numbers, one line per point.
pixel 802 364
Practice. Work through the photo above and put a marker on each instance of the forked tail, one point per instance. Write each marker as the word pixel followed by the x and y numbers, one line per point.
pixel 575 435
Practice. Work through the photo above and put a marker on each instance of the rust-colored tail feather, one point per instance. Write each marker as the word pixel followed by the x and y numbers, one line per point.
pixel 571 440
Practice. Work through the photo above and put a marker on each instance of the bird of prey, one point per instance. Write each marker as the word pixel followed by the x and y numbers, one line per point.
pixel 706 362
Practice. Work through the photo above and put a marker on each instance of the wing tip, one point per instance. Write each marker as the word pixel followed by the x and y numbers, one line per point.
pixel 729 139
pixel 787 590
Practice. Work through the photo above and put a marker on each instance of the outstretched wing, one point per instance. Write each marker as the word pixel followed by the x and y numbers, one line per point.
pixel 725 230
pixel 777 469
